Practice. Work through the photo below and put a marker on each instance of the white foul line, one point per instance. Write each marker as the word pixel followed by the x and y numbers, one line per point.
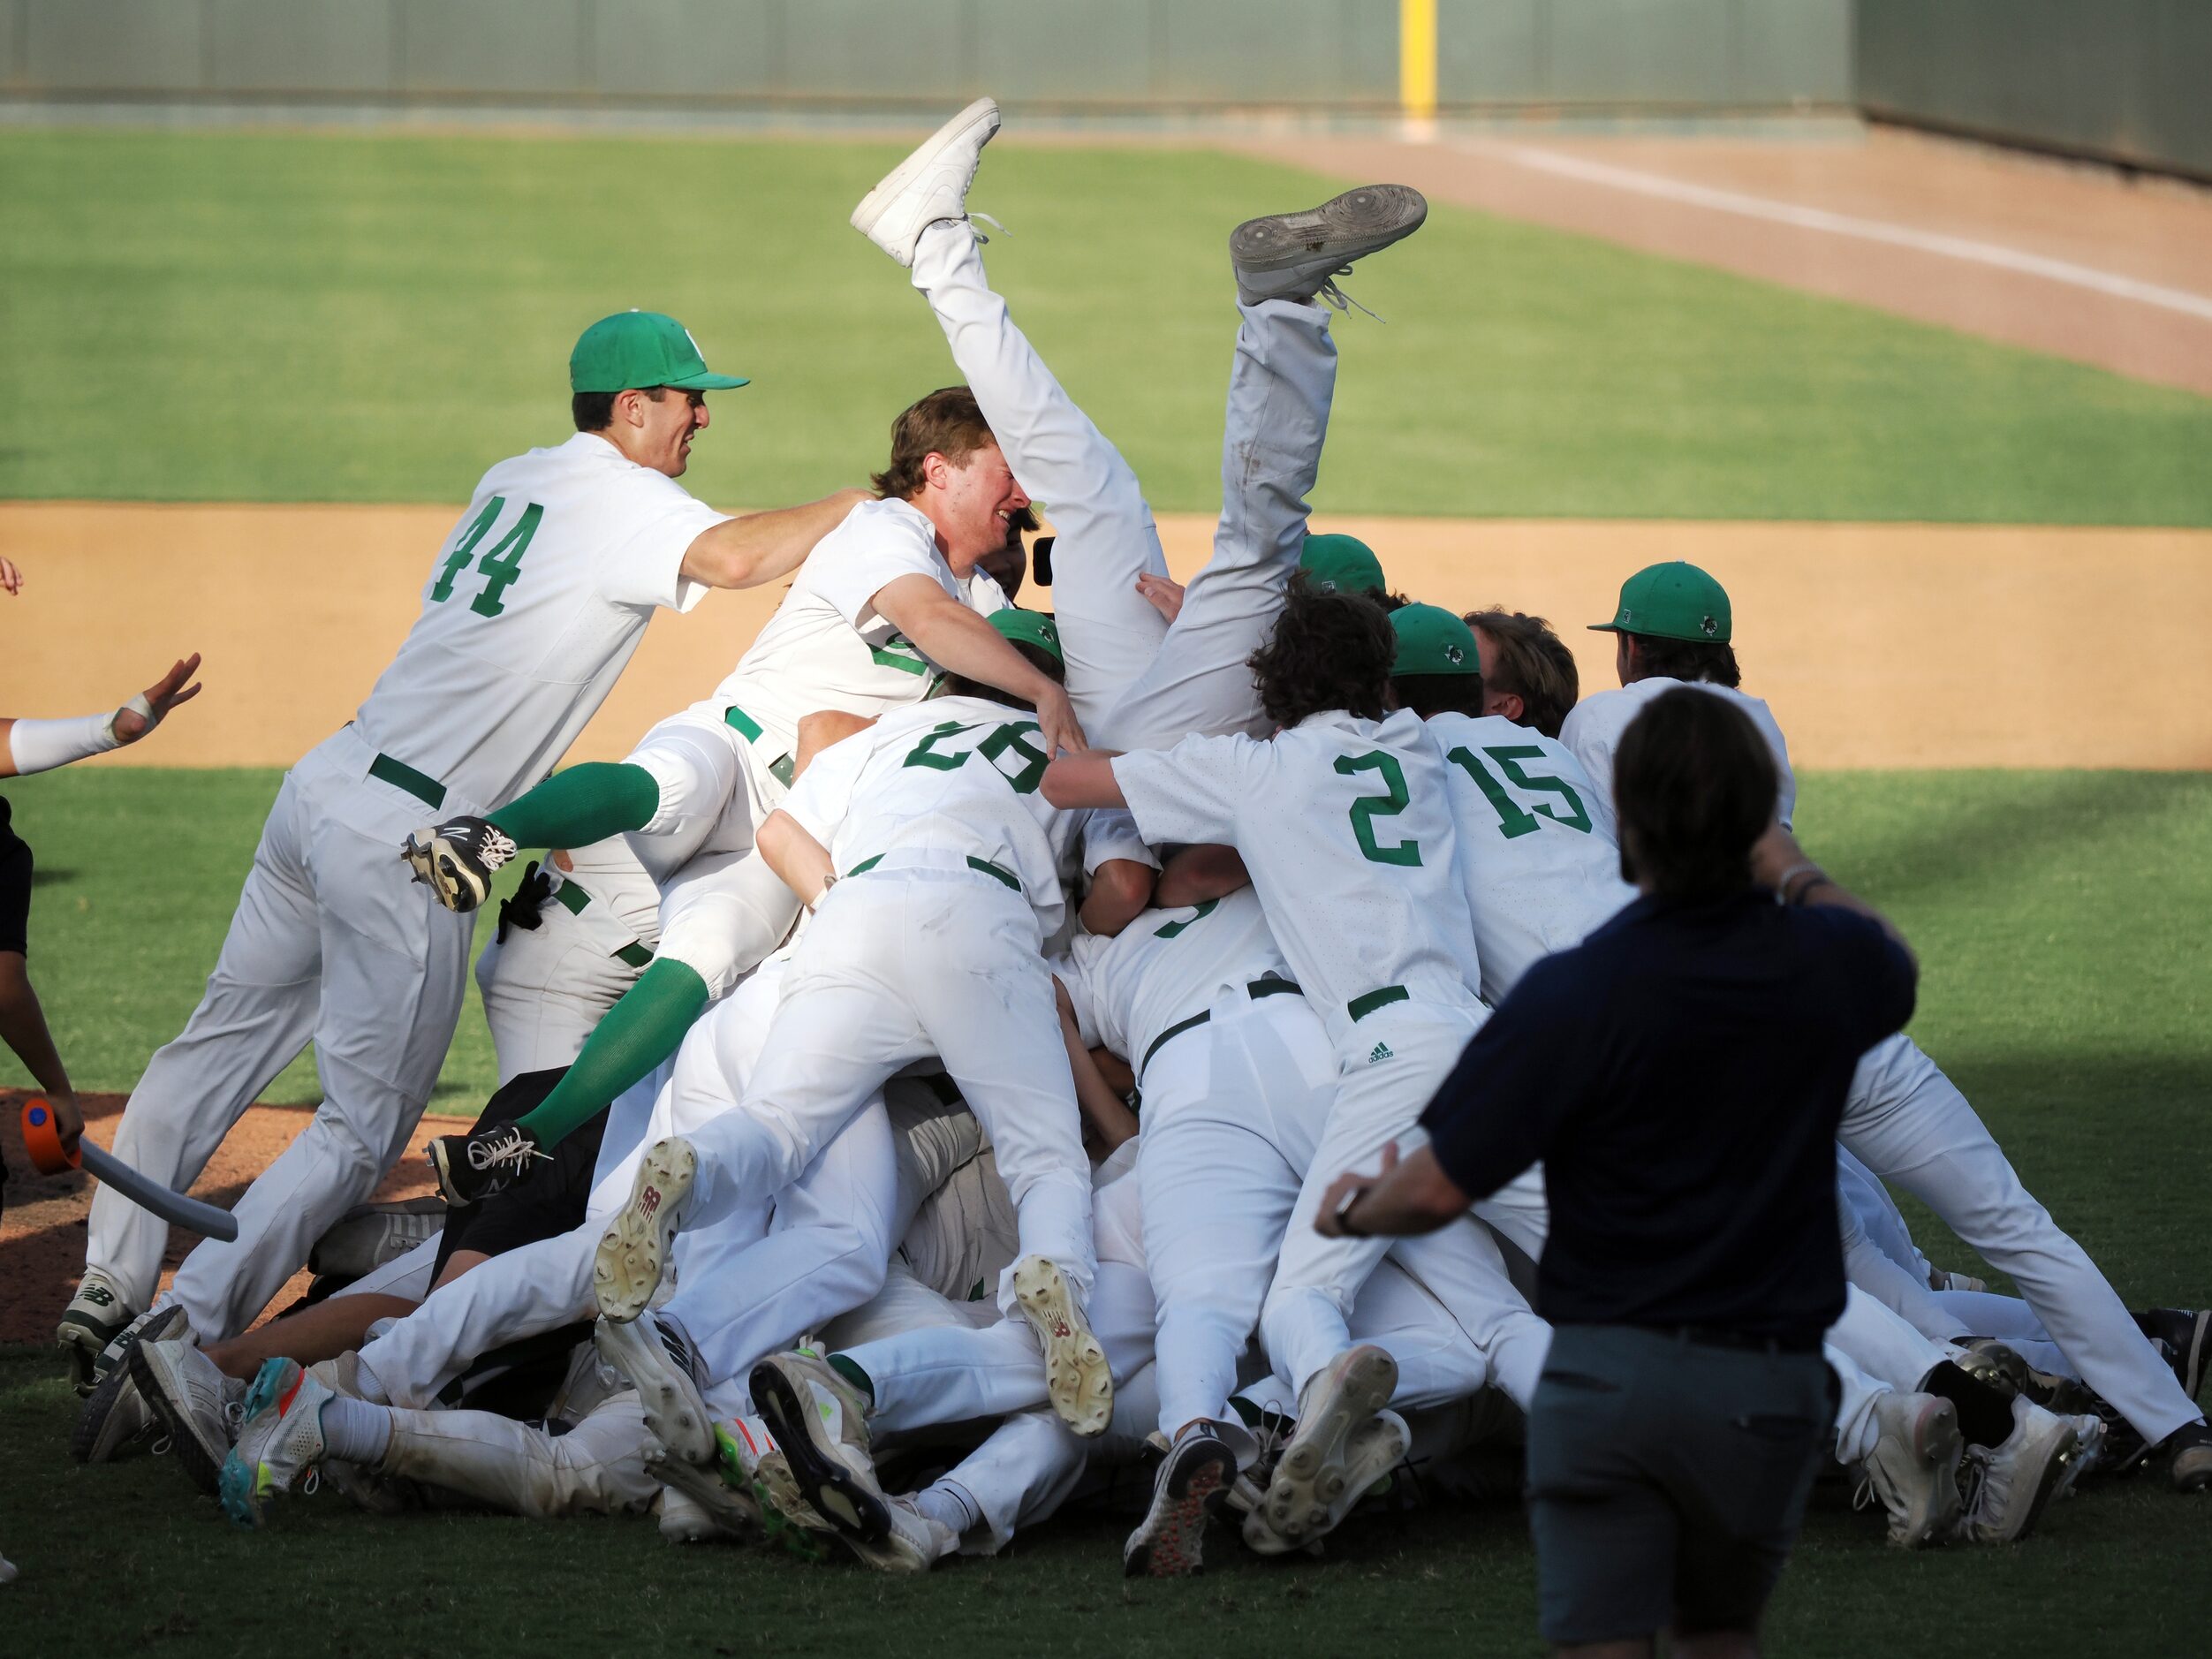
pixel 2058 270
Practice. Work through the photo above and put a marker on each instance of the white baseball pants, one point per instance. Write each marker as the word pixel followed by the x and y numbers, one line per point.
pixel 595 1468
pixel 547 987
pixel 331 943
pixel 1281 384
pixel 897 964
pixel 1873 1351
pixel 723 909
pixel 1909 1125
pixel 1107 537
pixel 1305 1322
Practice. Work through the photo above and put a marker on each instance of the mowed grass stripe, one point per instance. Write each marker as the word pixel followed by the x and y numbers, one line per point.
pixel 227 316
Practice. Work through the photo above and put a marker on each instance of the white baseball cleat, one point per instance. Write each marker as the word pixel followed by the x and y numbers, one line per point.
pixel 1188 1492
pixel 1300 255
pixel 1371 1452
pixel 820 1422
pixel 696 1503
pixel 96 1315
pixel 633 1253
pixel 1913 1467
pixel 195 1402
pixel 930 185
pixel 2007 1486
pixel 1307 1495
pixel 654 1354
pixel 1078 1379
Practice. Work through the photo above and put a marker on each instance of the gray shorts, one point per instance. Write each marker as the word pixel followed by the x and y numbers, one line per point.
pixel 1667 1480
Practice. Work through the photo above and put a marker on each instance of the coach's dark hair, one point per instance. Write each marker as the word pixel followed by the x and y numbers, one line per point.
pixel 1686 660
pixel 1431 695
pixel 1694 786
pixel 1524 658
pixel 1328 651
pixel 595 411
pixel 948 422
pixel 1038 658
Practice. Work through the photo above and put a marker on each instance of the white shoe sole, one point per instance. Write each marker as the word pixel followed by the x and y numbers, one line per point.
pixel 634 1250
pixel 874 206
pixel 854 1506
pixel 1193 1484
pixel 1936 1445
pixel 732 1512
pixel 675 1413
pixel 1312 1478
pixel 1290 254
pixel 1078 1379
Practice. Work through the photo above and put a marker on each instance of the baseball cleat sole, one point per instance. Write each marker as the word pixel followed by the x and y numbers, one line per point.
pixel 732 1513
pixel 1078 1379
pixel 1193 1484
pixel 819 1478
pixel 674 1413
pixel 1317 241
pixel 633 1252
pixel 1310 1481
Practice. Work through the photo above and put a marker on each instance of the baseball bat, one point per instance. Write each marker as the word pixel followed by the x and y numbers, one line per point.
pixel 41 1139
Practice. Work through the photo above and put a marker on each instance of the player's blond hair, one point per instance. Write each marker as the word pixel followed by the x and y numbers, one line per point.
pixel 1530 662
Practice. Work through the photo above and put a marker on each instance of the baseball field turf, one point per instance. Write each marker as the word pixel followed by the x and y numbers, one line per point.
pixel 245 318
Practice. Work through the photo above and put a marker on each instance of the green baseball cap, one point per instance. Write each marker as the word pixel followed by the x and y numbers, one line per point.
pixel 1432 640
pixel 1675 601
pixel 637 349
pixel 1029 627
pixel 1341 564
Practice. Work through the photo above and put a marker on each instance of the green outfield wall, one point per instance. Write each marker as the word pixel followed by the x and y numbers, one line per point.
pixel 1101 54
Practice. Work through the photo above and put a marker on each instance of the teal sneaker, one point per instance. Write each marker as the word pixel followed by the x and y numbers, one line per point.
pixel 280 1440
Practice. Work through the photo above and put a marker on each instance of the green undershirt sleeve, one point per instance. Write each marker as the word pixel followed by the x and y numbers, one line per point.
pixel 580 805
pixel 639 1033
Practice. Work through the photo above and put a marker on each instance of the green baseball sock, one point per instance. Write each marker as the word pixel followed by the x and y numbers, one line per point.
pixel 580 805
pixel 639 1033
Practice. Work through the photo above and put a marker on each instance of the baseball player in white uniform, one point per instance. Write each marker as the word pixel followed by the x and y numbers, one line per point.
pixel 530 612
pixel 889 602
pixel 1344 820
pixel 1904 1120
pixel 948 857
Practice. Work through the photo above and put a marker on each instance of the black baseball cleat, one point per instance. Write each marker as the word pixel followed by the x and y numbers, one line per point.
pixel 474 1166
pixel 1300 255
pixel 2185 1337
pixel 457 858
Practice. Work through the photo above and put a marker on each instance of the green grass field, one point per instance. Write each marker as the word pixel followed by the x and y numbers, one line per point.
pixel 266 317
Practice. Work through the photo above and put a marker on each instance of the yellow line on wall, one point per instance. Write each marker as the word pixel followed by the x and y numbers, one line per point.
pixel 1417 58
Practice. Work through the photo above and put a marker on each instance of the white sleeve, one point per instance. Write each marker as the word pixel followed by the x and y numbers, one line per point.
pixel 39 745
pixel 985 597
pixel 870 554
pixel 1589 734
pixel 1191 792
pixel 1110 833
pixel 646 572
pixel 822 796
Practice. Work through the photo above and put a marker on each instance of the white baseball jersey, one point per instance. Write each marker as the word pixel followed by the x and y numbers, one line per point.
pixel 531 611
pixel 1537 853
pixel 954 776
pixel 1165 967
pixel 1594 727
pixel 1345 825
pixel 826 647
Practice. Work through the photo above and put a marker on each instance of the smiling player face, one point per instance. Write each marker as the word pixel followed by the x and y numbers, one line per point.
pixel 664 438
pixel 976 499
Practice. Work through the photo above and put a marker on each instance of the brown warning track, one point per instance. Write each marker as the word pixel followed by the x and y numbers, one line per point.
pixel 1879 645
pixel 42 1230
pixel 2154 230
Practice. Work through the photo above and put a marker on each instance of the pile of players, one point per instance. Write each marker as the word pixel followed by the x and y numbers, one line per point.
pixel 912 1114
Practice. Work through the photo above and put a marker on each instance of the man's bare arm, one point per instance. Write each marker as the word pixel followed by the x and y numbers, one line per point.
pixel 765 546
pixel 1106 1118
pixel 1084 780
pixel 1195 874
pixel 959 641
pixel 818 730
pixel 801 862
pixel 1120 889
pixel 1412 1195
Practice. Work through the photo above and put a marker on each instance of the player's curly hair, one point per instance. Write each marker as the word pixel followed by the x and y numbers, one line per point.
pixel 948 422
pixel 1694 785
pixel 1328 651
pixel 1526 659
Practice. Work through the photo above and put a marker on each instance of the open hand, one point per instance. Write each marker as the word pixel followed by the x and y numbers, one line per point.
pixel 1164 592
pixel 161 696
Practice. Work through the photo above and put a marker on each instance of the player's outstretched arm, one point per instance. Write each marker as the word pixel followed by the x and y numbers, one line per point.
pixel 801 861
pixel 1084 780
pixel 39 745
pixel 959 641
pixel 765 546
pixel 1107 1118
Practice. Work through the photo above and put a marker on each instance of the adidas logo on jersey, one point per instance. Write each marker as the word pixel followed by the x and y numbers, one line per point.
pixel 1380 1053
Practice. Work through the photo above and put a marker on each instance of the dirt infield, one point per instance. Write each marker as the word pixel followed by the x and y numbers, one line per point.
pixel 42 1230
pixel 1879 645
pixel 1963 235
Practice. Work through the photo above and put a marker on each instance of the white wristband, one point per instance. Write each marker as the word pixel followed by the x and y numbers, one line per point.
pixel 39 745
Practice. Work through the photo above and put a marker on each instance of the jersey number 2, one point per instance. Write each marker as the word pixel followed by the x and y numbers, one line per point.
pixel 1368 809
pixel 500 566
